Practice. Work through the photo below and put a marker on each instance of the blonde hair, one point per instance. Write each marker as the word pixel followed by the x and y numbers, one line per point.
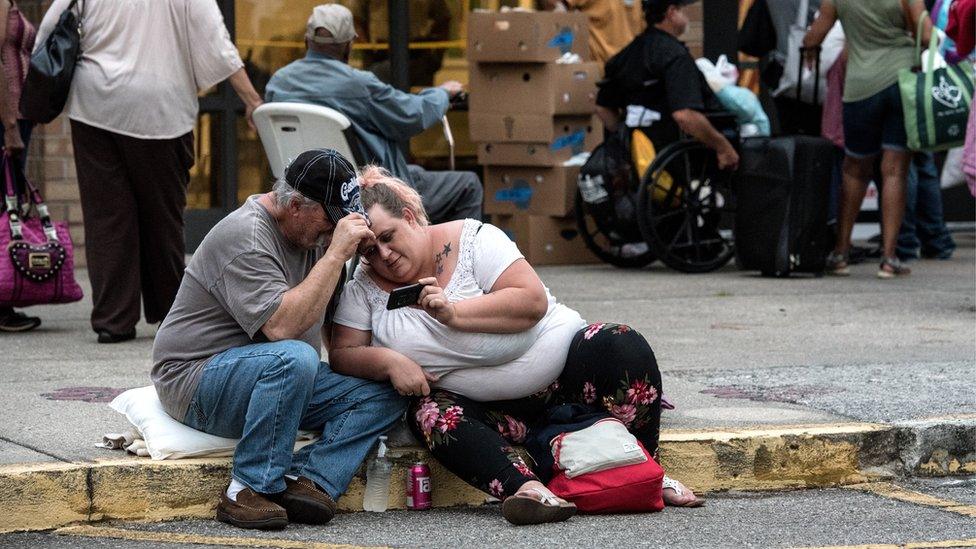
pixel 379 186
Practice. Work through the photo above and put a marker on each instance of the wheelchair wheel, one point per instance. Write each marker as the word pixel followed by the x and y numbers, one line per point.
pixel 685 208
pixel 608 244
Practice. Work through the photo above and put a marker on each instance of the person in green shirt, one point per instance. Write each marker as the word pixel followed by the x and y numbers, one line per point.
pixel 879 44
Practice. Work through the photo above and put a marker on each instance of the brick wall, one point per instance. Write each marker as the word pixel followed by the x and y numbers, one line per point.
pixel 694 36
pixel 50 163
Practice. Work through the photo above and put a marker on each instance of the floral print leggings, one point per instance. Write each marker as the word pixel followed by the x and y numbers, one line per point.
pixel 609 366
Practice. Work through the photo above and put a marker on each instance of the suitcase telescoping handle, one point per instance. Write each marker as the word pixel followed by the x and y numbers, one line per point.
pixel 816 74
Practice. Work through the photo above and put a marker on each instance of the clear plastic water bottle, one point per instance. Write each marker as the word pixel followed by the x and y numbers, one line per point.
pixel 378 480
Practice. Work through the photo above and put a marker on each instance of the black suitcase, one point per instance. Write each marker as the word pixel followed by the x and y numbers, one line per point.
pixel 782 192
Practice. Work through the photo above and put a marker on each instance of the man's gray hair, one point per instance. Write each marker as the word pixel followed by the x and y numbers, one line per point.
pixel 285 194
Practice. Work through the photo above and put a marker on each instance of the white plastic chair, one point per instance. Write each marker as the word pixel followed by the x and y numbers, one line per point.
pixel 289 129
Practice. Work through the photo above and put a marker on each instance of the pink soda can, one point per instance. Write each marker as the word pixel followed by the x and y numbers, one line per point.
pixel 418 486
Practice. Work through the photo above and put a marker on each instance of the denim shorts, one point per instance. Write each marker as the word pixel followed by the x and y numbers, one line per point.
pixel 875 123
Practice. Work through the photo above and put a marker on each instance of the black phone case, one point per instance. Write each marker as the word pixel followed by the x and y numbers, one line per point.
pixel 402 297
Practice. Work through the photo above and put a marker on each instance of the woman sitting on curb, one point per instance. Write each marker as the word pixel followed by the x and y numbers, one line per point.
pixel 492 342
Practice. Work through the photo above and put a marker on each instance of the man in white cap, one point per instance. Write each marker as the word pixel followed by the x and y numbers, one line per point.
pixel 381 115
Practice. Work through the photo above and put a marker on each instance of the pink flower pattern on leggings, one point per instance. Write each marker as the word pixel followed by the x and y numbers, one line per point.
pixel 592 330
pixel 496 489
pixel 449 421
pixel 641 392
pixel 434 425
pixel 427 414
pixel 589 393
pixel 512 429
pixel 626 413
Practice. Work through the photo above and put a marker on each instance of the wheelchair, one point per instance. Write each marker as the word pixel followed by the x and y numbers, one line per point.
pixel 680 210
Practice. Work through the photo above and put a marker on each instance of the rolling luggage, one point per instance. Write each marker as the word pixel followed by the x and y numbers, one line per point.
pixel 782 190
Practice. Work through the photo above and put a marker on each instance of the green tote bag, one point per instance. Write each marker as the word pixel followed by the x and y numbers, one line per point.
pixel 936 101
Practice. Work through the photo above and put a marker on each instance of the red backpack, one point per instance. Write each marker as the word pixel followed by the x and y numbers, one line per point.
pixel 625 489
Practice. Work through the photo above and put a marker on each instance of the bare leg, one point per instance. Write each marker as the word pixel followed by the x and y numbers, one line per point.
pixel 894 170
pixel 857 175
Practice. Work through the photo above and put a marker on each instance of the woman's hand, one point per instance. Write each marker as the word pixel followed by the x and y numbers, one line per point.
pixel 435 303
pixel 409 379
pixel 12 141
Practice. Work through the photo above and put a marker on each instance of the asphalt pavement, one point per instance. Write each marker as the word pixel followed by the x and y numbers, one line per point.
pixel 809 518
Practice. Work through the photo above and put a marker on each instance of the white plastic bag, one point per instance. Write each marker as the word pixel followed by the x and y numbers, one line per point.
pixel 830 50
pixel 952 174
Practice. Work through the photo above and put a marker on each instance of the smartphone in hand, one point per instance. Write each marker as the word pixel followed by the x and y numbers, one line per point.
pixel 402 297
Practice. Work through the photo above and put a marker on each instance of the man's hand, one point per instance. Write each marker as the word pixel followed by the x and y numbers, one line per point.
pixel 349 233
pixel 698 126
pixel 452 87
pixel 409 379
pixel 728 159
pixel 435 303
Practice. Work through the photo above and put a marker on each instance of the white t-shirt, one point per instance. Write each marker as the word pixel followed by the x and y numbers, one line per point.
pixel 143 62
pixel 480 366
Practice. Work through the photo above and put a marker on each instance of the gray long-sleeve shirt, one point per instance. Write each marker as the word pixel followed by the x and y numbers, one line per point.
pixel 380 113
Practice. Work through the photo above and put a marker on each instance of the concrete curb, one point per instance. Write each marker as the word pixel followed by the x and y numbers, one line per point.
pixel 45 496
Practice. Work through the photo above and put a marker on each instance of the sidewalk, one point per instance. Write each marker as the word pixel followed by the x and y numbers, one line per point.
pixel 877 366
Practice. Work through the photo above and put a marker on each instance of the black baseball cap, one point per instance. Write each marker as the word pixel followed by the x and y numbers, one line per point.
pixel 325 176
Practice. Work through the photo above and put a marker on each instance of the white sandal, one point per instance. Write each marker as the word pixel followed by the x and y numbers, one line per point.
pixel 671 484
pixel 522 508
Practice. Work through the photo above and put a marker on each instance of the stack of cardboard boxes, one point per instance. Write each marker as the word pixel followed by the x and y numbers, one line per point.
pixel 530 115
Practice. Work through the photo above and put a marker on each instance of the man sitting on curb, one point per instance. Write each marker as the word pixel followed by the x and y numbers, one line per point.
pixel 238 355
pixel 380 114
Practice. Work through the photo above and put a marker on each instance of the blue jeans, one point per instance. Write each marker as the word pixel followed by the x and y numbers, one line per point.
pixel 923 228
pixel 875 123
pixel 264 393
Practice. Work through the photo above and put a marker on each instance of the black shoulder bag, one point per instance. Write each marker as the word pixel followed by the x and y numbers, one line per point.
pixel 757 37
pixel 51 69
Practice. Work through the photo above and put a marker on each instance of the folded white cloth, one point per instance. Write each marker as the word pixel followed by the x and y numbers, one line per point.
pixel 129 440
pixel 639 116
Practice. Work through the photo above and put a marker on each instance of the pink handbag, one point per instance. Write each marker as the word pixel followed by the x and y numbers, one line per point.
pixel 36 266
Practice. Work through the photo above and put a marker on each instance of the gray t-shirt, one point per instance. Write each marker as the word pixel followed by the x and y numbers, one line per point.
pixel 232 286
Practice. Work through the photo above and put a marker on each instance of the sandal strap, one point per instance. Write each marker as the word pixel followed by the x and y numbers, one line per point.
pixel 544 498
pixel 893 262
pixel 669 482
pixel 834 258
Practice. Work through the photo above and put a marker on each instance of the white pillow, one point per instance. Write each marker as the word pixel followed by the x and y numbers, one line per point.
pixel 165 437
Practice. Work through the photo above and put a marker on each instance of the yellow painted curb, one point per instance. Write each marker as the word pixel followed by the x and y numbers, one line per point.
pixel 45 496
pixel 891 491
pixel 769 459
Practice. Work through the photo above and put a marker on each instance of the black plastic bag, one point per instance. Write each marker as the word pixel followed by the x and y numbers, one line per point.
pixel 757 37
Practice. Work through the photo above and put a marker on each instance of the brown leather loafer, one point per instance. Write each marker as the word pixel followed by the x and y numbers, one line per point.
pixel 251 510
pixel 305 503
